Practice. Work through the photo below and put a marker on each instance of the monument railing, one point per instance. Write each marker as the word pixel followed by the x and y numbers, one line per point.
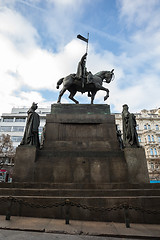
pixel 68 204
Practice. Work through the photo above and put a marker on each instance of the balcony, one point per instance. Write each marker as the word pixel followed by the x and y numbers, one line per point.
pixel 151 143
pixel 154 157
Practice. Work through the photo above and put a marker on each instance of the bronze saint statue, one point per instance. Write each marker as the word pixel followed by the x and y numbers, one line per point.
pixel 82 70
pixel 82 73
pixel 84 81
pixel 31 136
pixel 72 85
pixel 130 136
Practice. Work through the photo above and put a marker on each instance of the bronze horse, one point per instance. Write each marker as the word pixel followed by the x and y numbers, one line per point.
pixel 73 85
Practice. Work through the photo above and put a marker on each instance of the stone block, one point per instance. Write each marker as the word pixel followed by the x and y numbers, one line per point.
pixel 24 164
pixel 137 165
pixel 86 109
pixel 80 146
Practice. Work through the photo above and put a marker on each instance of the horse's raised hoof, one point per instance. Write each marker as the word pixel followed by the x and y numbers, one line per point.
pixel 77 102
pixel 105 98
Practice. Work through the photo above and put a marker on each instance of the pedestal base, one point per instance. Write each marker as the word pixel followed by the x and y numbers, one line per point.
pixel 137 165
pixel 24 164
pixel 80 146
pixel 81 161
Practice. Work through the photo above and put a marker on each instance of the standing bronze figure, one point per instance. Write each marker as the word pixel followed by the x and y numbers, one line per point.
pixel 130 136
pixel 31 136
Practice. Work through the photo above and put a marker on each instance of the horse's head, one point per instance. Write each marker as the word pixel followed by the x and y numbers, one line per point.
pixel 109 76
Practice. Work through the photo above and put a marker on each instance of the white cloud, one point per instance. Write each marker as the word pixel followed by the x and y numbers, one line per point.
pixel 26 67
pixel 65 2
pixel 138 11
pixel 25 64
pixel 16 28
pixel 139 96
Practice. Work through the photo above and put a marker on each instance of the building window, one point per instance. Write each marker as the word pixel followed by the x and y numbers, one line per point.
pixel 5 129
pixel 149 138
pixel 17 129
pixel 139 138
pixel 157 127
pixel 151 152
pixel 137 127
pixel 145 127
pixel 7 119
pixel 152 138
pixel 152 166
pixel 20 119
pixel 149 126
pixel 16 138
pixel 159 139
pixel 155 151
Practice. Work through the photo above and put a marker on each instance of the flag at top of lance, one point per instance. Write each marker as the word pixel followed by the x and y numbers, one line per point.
pixel 84 39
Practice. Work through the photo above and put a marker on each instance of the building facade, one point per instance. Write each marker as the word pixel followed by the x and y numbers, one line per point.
pixel 148 129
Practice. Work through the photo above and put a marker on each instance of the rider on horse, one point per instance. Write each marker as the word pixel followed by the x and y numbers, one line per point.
pixel 82 72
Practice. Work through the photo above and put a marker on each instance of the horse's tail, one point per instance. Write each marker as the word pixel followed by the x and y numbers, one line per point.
pixel 59 82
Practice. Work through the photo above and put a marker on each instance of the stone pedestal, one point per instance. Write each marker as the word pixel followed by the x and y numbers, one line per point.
pixel 80 146
pixel 81 161
pixel 137 165
pixel 24 164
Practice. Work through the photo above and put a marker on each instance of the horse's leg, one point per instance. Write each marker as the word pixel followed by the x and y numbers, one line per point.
pixel 107 95
pixel 99 87
pixel 92 96
pixel 71 96
pixel 61 94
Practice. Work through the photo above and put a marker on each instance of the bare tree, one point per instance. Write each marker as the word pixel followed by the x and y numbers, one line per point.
pixel 7 150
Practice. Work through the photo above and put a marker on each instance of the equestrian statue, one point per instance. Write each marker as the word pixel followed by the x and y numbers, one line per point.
pixel 84 81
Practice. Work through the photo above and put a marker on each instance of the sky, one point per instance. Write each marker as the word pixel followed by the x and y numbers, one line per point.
pixel 39 45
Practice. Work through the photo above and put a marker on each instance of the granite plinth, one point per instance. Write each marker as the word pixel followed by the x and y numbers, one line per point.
pixel 137 165
pixel 80 146
pixel 86 109
pixel 81 161
pixel 24 164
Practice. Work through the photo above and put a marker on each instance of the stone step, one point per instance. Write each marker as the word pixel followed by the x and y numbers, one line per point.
pixel 85 208
pixel 105 186
pixel 79 192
